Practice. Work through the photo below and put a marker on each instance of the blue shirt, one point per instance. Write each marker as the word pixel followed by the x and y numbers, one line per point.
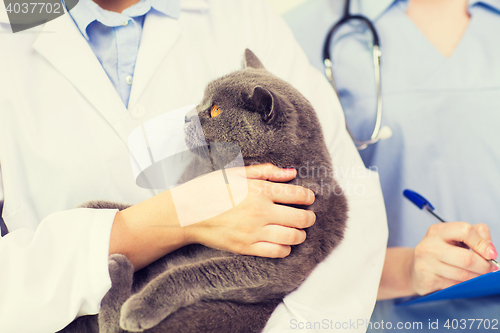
pixel 444 114
pixel 115 37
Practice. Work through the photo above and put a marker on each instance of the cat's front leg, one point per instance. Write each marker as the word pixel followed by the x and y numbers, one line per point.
pixel 241 278
pixel 161 297
pixel 121 273
pixel 218 317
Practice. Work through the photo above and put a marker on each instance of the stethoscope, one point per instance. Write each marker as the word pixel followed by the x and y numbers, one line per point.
pixel 379 133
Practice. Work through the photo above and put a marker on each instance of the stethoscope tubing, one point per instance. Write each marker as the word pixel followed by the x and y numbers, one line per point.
pixel 346 18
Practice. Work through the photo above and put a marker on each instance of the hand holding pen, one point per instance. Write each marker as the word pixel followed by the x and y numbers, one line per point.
pixel 443 258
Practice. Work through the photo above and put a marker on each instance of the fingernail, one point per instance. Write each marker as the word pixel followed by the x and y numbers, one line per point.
pixel 493 268
pixel 492 253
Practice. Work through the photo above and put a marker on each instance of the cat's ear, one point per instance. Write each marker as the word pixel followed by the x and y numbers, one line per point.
pixel 264 103
pixel 251 60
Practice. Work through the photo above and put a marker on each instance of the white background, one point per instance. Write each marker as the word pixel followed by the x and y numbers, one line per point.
pixel 282 6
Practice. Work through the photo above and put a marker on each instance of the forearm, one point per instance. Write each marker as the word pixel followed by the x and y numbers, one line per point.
pixel 396 274
pixel 147 231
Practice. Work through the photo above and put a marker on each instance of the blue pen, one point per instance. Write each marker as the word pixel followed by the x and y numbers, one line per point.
pixel 425 205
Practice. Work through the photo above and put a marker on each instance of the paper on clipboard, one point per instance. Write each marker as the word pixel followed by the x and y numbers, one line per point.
pixel 484 285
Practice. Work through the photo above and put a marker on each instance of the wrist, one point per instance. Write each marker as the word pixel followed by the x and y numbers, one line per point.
pixel 397 274
pixel 410 273
pixel 163 218
pixel 147 231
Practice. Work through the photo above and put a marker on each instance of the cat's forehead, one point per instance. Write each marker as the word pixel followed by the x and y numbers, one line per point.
pixel 241 80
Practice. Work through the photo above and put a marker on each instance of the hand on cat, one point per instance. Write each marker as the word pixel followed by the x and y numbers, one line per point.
pixel 258 225
pixel 440 260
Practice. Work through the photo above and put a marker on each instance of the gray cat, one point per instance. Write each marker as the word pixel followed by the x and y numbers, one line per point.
pixel 199 289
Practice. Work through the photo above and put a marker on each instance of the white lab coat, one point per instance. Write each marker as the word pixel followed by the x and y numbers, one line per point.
pixel 63 141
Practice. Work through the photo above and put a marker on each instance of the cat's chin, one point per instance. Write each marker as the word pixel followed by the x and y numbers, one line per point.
pixel 194 136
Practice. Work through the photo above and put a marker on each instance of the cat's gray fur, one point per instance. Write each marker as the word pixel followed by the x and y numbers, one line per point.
pixel 199 289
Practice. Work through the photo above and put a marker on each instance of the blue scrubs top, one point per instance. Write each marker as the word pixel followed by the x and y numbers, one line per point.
pixel 445 118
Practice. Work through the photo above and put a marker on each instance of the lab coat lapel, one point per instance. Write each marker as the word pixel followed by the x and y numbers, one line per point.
pixel 62 44
pixel 159 35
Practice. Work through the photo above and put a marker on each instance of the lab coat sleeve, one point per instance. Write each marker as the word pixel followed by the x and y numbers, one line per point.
pixel 51 275
pixel 341 293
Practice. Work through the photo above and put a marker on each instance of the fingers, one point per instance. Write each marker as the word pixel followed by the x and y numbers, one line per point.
pixel 429 275
pixel 259 225
pixel 270 172
pixel 291 217
pixel 274 240
pixel 483 230
pixel 269 250
pixel 464 232
pixel 440 259
pixel 463 259
pixel 282 193
pixel 282 235
pixel 289 194
pixel 277 192
pixel 467 260
pixel 456 273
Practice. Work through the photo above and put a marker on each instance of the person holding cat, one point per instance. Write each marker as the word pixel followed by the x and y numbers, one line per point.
pixel 72 91
pixel 440 89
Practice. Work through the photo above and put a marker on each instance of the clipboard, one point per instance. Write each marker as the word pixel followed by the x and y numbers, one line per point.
pixel 484 285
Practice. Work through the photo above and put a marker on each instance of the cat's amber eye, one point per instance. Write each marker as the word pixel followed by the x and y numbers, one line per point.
pixel 215 111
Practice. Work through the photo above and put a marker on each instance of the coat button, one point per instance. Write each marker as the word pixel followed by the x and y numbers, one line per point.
pixel 138 112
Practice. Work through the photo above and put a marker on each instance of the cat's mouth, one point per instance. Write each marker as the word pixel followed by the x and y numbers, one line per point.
pixel 221 154
pixel 193 131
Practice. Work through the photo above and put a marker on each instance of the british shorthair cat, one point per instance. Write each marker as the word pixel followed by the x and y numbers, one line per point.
pixel 200 289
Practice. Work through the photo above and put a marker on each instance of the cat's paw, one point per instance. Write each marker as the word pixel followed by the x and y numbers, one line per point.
pixel 121 270
pixel 137 316
pixel 117 261
pixel 121 273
